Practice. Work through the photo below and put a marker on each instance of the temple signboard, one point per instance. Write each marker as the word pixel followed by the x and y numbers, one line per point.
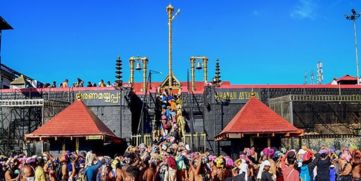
pixel 99 97
pixel 234 95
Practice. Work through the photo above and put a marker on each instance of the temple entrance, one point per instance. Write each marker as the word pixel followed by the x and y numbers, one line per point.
pixel 259 143
pixel 262 142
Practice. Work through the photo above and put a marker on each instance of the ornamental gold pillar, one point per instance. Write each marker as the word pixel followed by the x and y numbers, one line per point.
pixel 205 69
pixel 192 73
pixel 145 63
pixel 170 11
pixel 131 62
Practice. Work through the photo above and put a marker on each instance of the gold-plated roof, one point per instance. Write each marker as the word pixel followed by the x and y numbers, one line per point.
pixel 19 81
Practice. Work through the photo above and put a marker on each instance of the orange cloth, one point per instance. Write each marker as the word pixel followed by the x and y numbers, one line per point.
pixel 102 84
pixel 173 105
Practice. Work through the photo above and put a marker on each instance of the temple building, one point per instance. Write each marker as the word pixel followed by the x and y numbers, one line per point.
pixel 219 116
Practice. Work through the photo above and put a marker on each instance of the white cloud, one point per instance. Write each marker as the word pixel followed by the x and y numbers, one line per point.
pixel 305 9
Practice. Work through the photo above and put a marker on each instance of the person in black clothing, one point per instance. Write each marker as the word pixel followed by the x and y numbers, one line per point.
pixel 80 83
pixel 266 176
pixel 323 164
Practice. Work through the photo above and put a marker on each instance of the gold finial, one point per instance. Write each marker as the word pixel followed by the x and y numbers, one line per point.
pixel 78 97
pixel 170 7
pixel 253 94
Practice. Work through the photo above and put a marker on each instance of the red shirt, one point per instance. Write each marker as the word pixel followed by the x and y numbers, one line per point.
pixel 289 172
pixel 171 162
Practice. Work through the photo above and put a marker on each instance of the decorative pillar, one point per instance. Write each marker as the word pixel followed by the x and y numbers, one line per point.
pixel 192 73
pixel 170 10
pixel 205 69
pixel 63 147
pixel 131 61
pixel 269 142
pixel 145 62
pixel 77 145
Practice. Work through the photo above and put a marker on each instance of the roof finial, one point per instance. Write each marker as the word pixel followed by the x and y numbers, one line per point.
pixel 78 97
pixel 118 72
pixel 253 93
pixel 217 78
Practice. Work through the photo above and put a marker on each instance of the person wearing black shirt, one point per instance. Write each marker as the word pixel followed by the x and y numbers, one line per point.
pixel 323 164
pixel 266 175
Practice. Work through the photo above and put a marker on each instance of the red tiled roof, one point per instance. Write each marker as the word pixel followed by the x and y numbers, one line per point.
pixel 256 118
pixel 77 120
pixel 347 78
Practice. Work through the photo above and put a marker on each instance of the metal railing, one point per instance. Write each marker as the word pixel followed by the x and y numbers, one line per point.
pixel 22 102
pixel 199 140
pixel 315 98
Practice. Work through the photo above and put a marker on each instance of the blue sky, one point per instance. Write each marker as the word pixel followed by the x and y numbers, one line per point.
pixel 258 42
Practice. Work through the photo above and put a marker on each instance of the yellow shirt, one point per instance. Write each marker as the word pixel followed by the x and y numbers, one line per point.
pixel 39 174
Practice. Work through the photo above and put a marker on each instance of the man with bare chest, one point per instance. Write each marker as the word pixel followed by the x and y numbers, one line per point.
pixel 356 166
pixel 149 174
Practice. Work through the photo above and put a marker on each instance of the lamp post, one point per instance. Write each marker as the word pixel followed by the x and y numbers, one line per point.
pixel 147 94
pixel 150 77
pixel 353 17
pixel 149 88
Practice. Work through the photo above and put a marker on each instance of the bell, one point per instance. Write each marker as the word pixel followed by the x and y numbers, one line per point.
pixel 199 66
pixel 138 67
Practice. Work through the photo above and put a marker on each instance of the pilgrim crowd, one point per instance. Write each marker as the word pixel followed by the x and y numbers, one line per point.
pixel 79 83
pixel 171 161
pixel 172 122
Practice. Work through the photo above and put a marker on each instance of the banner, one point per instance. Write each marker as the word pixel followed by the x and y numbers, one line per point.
pixel 234 95
pixel 100 97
